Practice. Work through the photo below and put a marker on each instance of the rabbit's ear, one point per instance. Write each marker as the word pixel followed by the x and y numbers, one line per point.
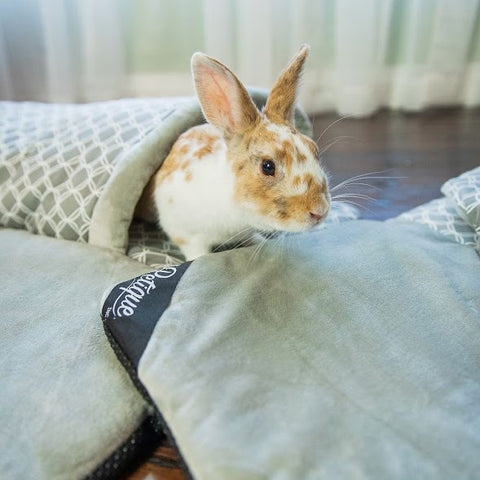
pixel 225 101
pixel 281 101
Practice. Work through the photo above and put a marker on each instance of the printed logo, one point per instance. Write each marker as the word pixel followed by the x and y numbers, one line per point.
pixel 131 296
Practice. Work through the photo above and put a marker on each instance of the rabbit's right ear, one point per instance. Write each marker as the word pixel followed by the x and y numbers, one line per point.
pixel 225 101
pixel 281 101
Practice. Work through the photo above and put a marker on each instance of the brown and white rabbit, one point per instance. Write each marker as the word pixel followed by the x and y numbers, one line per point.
pixel 244 169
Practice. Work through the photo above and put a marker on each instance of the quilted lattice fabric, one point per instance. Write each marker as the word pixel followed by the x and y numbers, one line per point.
pixel 464 191
pixel 55 159
pixel 150 245
pixel 441 216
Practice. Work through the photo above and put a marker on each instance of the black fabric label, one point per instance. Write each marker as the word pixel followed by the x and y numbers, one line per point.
pixel 133 308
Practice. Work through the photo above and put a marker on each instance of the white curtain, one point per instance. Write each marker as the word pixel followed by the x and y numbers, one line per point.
pixel 366 54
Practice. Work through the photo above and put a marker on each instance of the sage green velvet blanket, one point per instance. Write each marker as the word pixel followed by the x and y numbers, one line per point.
pixel 66 405
pixel 348 353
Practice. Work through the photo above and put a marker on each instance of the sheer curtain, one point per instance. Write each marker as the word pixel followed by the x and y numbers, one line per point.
pixel 403 54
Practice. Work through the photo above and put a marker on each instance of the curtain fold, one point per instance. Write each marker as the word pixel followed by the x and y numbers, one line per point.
pixel 401 54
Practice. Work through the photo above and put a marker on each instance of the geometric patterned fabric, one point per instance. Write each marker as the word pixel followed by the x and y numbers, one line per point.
pixel 55 159
pixel 464 191
pixel 151 246
pixel 441 216
pixel 457 215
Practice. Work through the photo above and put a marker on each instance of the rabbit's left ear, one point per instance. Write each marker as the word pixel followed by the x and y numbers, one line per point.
pixel 281 101
pixel 225 101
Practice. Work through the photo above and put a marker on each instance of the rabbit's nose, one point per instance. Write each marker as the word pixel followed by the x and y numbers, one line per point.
pixel 316 217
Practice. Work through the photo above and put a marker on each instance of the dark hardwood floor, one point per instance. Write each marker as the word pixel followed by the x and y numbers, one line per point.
pixel 408 158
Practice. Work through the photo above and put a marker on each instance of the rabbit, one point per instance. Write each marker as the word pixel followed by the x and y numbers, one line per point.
pixel 244 169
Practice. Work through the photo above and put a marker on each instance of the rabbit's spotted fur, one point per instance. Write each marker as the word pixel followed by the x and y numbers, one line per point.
pixel 244 169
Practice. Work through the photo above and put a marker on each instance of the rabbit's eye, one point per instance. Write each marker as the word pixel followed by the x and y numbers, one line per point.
pixel 268 167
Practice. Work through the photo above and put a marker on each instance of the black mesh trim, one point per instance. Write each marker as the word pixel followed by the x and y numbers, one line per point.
pixel 137 449
pixel 156 421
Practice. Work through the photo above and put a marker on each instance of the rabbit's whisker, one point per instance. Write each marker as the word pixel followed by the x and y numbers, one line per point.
pixel 356 204
pixel 362 178
pixel 330 126
pixel 244 237
pixel 359 196
pixel 359 184
pixel 342 191
pixel 259 247
pixel 334 141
